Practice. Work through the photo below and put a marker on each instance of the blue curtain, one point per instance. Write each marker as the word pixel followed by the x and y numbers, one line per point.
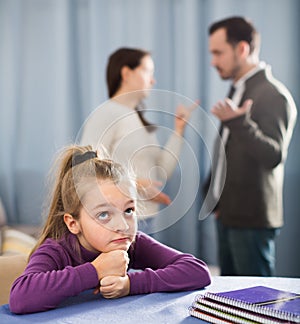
pixel 53 57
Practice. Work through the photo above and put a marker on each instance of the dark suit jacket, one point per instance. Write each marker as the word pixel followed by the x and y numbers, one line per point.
pixel 256 151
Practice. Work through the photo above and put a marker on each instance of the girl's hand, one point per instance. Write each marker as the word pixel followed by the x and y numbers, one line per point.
pixel 183 115
pixel 113 263
pixel 114 286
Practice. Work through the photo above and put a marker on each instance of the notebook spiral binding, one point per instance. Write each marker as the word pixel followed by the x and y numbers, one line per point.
pixel 237 312
pixel 255 308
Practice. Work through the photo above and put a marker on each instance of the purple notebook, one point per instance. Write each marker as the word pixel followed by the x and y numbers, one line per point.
pixel 262 300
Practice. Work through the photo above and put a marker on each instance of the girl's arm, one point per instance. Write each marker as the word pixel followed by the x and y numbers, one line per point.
pixel 49 279
pixel 164 269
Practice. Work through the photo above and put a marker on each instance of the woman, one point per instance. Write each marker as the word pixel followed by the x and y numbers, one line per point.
pixel 119 125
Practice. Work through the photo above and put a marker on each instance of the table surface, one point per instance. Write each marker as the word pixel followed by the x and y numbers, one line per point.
pixel 151 308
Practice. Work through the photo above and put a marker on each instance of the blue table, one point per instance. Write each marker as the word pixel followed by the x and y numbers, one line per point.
pixel 158 308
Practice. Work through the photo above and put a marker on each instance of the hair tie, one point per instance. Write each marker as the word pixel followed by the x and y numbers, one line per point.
pixel 80 158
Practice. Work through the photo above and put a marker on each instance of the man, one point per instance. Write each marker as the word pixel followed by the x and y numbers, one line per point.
pixel 257 124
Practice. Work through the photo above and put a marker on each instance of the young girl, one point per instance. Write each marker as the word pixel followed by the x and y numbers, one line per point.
pixel 90 241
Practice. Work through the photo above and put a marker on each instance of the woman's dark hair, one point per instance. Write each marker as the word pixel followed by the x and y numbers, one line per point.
pixel 130 57
pixel 238 29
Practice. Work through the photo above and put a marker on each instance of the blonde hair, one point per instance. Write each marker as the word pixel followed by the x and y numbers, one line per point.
pixel 75 164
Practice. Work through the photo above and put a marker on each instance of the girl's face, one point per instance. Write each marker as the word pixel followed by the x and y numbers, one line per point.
pixel 142 77
pixel 107 220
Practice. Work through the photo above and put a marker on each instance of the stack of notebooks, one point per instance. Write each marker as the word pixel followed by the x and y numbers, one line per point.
pixel 257 304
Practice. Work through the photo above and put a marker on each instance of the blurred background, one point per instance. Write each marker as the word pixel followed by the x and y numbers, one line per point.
pixel 53 55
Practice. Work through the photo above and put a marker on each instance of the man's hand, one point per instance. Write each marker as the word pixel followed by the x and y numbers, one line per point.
pixel 114 287
pixel 227 110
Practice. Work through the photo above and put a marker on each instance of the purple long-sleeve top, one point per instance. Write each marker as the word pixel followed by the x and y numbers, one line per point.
pixel 55 271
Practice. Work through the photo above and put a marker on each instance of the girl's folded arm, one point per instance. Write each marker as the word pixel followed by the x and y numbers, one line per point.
pixel 43 285
pixel 165 269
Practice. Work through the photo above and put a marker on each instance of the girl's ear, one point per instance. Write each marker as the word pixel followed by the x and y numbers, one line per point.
pixel 72 224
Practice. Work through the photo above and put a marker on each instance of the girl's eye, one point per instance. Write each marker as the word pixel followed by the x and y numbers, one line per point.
pixel 129 211
pixel 103 216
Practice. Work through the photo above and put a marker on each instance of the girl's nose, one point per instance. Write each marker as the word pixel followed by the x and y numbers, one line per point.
pixel 121 224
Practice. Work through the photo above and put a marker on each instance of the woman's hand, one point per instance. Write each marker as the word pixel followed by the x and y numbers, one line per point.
pixel 114 287
pixel 150 190
pixel 183 115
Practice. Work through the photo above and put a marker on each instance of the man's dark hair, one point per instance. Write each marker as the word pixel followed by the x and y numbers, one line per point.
pixel 238 29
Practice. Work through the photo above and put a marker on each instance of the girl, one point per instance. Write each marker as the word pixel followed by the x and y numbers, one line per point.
pixel 120 126
pixel 90 241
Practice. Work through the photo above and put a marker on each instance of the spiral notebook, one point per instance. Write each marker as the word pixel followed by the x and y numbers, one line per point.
pixel 257 304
